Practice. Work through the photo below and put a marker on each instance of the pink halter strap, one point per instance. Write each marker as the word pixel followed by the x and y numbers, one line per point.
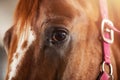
pixel 108 38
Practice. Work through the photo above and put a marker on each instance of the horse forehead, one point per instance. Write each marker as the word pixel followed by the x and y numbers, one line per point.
pixel 67 8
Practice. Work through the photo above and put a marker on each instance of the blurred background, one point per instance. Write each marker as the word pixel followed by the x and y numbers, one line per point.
pixel 7 8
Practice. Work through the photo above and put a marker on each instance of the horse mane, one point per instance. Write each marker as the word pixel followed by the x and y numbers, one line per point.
pixel 26 10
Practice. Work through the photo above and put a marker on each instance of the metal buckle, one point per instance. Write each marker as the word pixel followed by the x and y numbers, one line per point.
pixel 110 69
pixel 109 23
pixel 111 77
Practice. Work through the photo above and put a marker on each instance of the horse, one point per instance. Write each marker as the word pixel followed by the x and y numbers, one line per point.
pixel 60 40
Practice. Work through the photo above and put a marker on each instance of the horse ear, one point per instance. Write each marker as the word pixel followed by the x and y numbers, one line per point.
pixel 7 38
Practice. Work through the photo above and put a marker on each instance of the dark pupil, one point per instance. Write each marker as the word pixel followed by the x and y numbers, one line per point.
pixel 59 35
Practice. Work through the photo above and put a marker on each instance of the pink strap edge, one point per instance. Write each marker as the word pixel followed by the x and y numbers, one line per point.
pixel 104 76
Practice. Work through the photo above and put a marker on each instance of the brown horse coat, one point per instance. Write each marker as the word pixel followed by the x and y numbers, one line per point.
pixel 34 53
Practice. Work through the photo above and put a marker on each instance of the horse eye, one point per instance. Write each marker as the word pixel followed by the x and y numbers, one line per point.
pixel 59 35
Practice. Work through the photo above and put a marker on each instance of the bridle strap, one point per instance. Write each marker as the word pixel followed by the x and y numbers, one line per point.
pixel 103 8
pixel 108 39
pixel 104 14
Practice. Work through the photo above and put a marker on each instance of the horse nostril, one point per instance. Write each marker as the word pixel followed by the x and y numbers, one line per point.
pixel 59 35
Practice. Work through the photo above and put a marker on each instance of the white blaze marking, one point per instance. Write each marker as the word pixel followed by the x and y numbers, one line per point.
pixel 26 35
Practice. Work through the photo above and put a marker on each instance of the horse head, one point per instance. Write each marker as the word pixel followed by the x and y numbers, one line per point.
pixel 58 40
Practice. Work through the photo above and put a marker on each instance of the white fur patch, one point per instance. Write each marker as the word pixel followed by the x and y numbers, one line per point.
pixel 26 35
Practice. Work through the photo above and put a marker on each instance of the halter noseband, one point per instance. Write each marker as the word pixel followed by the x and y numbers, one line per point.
pixel 108 38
